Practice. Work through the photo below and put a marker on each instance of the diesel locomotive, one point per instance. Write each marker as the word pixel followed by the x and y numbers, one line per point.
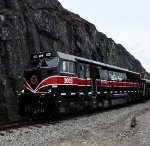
pixel 56 82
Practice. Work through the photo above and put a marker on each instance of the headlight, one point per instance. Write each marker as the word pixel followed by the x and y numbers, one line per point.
pixel 49 90
pixel 22 91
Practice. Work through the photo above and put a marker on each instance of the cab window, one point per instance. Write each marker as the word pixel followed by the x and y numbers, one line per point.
pixel 68 67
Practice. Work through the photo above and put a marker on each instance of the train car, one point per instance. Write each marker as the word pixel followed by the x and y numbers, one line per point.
pixel 146 87
pixel 56 82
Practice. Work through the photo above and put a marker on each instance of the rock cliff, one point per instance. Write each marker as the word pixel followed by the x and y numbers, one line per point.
pixel 30 26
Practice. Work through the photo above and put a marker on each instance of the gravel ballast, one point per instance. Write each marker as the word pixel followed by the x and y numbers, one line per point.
pixel 100 129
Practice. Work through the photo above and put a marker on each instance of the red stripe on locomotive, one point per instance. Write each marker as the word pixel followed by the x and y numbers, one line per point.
pixel 66 80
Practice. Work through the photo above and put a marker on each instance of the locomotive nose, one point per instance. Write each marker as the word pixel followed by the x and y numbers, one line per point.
pixel 33 78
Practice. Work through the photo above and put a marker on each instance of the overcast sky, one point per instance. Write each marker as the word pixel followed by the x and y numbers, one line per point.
pixel 127 22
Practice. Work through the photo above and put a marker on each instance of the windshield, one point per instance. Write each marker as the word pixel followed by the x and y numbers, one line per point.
pixel 44 63
pixel 49 62
pixel 34 64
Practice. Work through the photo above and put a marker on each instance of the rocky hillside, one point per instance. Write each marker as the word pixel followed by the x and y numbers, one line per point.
pixel 30 26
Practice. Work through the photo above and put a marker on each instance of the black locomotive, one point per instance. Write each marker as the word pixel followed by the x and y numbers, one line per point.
pixel 60 83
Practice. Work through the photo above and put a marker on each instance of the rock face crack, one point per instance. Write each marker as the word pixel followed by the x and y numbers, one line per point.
pixel 31 26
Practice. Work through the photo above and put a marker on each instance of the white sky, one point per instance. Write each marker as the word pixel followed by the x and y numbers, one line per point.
pixel 127 22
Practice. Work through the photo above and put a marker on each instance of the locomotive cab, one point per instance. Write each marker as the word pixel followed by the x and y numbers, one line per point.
pixel 39 69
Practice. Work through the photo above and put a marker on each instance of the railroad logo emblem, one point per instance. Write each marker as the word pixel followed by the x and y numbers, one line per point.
pixel 34 79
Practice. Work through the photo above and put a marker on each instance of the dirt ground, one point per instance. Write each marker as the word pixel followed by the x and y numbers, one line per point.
pixel 119 134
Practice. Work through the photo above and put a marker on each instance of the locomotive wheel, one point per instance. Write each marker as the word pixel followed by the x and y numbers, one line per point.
pixel 105 103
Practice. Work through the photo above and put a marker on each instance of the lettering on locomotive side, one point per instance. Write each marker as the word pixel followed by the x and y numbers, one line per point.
pixel 68 80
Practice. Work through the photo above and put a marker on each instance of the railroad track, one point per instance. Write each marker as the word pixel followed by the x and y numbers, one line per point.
pixel 14 125
pixel 26 123
pixel 38 123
